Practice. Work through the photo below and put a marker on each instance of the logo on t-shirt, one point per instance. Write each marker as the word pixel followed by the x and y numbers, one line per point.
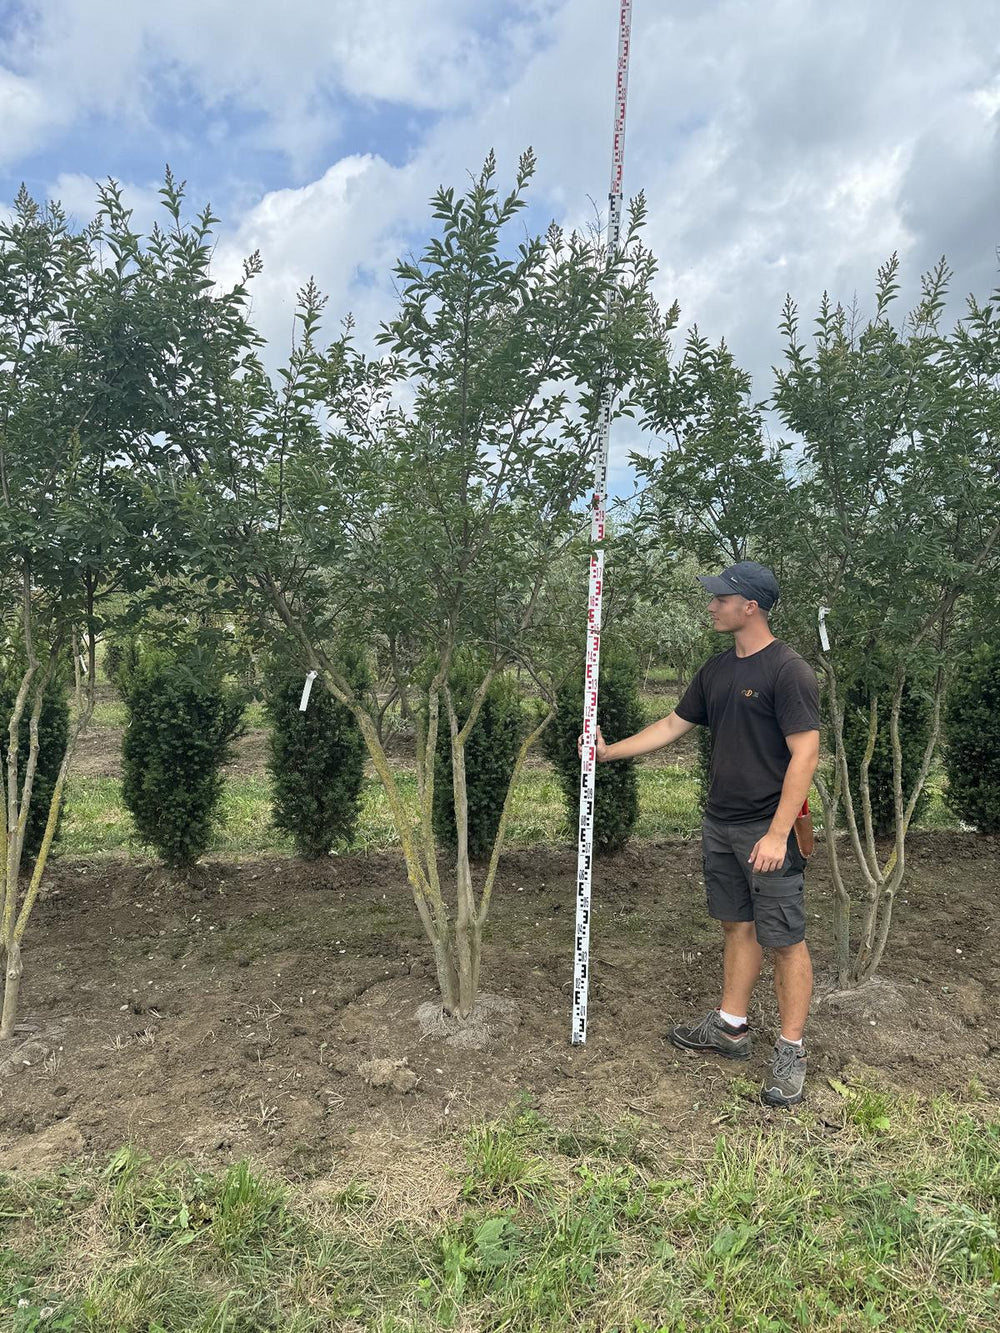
pixel 750 694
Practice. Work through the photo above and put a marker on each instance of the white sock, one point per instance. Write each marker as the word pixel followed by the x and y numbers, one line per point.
pixel 731 1019
pixel 788 1041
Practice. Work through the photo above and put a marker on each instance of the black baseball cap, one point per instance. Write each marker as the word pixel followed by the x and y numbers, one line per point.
pixel 747 579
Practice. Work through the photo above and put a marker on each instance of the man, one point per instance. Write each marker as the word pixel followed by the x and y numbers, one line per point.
pixel 761 701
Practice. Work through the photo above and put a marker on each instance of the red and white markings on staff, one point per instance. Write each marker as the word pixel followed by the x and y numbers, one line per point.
pixel 588 761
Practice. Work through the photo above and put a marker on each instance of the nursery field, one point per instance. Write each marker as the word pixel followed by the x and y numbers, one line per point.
pixel 233 1093
pixel 220 1113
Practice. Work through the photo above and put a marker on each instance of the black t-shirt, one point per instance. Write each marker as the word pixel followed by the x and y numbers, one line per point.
pixel 751 704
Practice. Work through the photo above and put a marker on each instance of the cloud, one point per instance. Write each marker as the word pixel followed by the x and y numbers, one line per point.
pixel 23 115
pixel 787 147
pixel 784 148
pixel 78 195
pixel 345 230
pixel 293 65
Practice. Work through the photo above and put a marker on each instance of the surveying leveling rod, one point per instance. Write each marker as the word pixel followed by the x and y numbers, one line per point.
pixel 588 762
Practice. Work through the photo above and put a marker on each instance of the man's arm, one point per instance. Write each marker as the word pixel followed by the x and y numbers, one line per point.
pixel 653 737
pixel 769 852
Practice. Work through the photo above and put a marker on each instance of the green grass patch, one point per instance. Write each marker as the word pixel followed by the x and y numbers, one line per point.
pixel 255 718
pixel 663 678
pixel 656 705
pixel 110 713
pixel 96 821
pixel 775 1228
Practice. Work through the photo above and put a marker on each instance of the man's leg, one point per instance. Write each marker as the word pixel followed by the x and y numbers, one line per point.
pixel 779 911
pixel 728 893
pixel 741 963
pixel 793 983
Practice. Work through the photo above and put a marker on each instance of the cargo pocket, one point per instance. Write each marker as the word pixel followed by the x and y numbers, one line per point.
pixel 780 918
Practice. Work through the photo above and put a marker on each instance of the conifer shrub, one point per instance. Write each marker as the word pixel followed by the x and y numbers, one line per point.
pixel 972 749
pixel 53 733
pixel 121 660
pixel 619 714
pixel 914 731
pixel 490 755
pixel 315 759
pixel 182 720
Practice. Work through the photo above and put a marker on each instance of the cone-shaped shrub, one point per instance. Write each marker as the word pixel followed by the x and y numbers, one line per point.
pixel 121 660
pixel 490 753
pixel 183 718
pixel 914 730
pixel 315 759
pixel 53 732
pixel 619 714
pixel 972 751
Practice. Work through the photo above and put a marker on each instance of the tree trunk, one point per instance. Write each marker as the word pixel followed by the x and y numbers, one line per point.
pixel 467 945
pixel 12 986
pixel 447 973
pixel 842 938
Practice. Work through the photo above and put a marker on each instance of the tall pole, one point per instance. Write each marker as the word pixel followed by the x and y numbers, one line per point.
pixel 588 760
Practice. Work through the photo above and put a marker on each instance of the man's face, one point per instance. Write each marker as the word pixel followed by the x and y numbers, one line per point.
pixel 728 612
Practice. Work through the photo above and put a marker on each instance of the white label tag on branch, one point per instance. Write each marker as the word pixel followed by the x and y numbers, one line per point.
pixel 306 691
pixel 824 638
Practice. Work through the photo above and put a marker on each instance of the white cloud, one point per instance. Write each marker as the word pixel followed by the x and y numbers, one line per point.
pixel 78 195
pixel 289 63
pixel 783 147
pixel 345 230
pixel 23 115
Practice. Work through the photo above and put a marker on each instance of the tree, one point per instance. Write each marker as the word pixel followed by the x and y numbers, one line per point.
pixel 915 714
pixel 422 496
pixel 616 789
pixel 53 733
pixel 895 514
pixel 93 340
pixel 490 755
pixel 663 620
pixel 883 509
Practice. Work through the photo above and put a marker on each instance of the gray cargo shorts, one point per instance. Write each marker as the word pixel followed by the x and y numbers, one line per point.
pixel 774 902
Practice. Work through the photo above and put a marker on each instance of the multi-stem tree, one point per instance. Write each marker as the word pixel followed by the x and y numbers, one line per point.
pixel 893 517
pixel 417 501
pixel 84 340
pixel 883 508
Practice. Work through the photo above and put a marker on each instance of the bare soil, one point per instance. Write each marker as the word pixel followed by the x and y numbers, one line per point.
pixel 270 1009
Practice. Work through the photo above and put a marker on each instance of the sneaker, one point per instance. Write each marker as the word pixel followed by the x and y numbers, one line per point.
pixel 788 1073
pixel 712 1033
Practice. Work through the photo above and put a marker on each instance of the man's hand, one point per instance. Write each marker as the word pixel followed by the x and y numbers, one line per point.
pixel 769 853
pixel 601 748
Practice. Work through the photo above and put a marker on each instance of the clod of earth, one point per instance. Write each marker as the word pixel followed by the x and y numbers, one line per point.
pixel 383 1073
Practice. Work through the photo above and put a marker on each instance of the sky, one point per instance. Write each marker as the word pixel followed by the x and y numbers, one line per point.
pixel 784 146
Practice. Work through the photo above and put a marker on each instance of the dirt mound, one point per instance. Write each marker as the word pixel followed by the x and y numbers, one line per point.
pixel 494 1019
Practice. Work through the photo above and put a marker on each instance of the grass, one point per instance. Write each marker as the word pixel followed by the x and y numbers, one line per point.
pixel 779 1227
pixel 96 821
pixel 656 705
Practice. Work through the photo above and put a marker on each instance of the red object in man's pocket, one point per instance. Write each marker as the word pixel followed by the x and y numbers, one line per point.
pixel 804 834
